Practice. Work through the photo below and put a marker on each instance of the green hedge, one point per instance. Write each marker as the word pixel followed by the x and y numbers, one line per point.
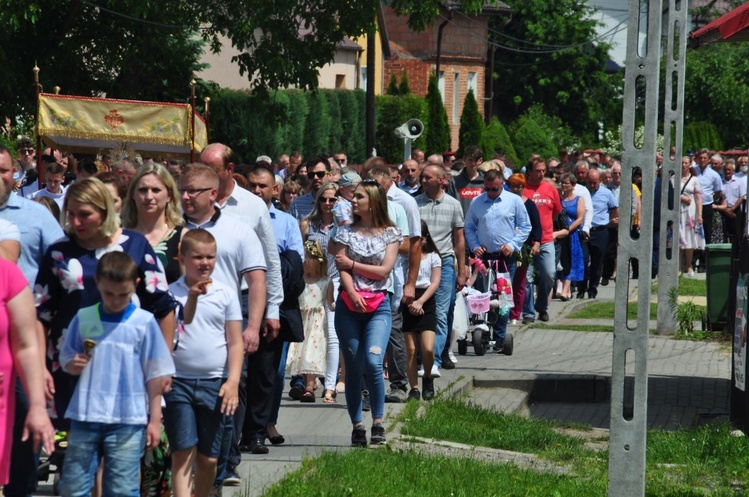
pixel 699 135
pixel 282 121
pixel 391 112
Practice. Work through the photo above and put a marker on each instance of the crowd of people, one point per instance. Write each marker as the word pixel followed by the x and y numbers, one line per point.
pixel 207 286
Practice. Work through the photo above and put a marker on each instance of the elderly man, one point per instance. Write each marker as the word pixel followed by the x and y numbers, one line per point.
pixel 496 226
pixel 125 170
pixel 444 217
pixel 605 213
pixel 410 175
pixel 710 182
pixel 735 192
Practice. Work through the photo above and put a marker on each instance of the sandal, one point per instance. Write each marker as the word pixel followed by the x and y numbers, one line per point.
pixel 329 397
pixel 308 396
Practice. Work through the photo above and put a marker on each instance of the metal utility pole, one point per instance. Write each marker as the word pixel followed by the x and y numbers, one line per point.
pixel 673 126
pixel 630 349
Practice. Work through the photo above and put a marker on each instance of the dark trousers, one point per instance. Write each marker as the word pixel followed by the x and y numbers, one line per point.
pixel 597 246
pixel 262 370
pixel 707 222
pixel 609 260
pixel 23 459
pixel 396 352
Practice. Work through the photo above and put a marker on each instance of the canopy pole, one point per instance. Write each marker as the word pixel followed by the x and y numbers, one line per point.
pixel 38 91
pixel 207 117
pixel 192 120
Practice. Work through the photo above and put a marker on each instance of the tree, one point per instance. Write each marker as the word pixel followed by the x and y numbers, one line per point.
pixel 550 55
pixel 392 88
pixel 438 129
pixel 530 139
pixel 403 88
pixel 471 124
pixel 110 45
pixel 716 90
pixel 496 139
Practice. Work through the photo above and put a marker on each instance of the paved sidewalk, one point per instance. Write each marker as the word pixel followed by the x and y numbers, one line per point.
pixel 688 383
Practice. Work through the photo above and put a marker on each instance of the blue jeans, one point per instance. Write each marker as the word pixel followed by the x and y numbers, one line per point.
pixel 444 299
pixel 528 310
pixel 363 338
pixel 121 446
pixel 545 262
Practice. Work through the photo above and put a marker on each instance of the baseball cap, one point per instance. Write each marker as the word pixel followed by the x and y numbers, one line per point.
pixel 349 179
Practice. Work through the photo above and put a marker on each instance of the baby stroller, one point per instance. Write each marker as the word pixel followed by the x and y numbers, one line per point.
pixel 484 310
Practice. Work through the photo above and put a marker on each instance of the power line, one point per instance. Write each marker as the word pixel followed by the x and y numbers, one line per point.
pixel 512 49
pixel 504 35
pixel 136 19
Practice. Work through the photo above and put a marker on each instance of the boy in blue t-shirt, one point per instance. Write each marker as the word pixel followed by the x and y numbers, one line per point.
pixel 120 354
pixel 208 361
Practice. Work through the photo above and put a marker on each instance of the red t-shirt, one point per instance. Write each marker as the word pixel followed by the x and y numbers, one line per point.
pixel 546 198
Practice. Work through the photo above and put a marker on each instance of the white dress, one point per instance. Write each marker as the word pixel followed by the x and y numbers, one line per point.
pixel 691 235
pixel 310 356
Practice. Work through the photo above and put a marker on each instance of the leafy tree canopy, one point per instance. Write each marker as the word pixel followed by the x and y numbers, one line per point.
pixel 549 55
pixel 149 49
pixel 717 90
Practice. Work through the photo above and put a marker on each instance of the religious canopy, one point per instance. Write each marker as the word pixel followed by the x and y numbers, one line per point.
pixel 91 125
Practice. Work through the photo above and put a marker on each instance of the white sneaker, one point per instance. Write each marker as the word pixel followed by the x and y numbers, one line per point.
pixel 435 372
pixel 452 357
pixel 421 371
pixel 514 322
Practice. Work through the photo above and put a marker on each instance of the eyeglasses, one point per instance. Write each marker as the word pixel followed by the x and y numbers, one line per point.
pixel 492 190
pixel 318 174
pixel 193 192
pixel 566 183
pixel 26 151
pixel 327 200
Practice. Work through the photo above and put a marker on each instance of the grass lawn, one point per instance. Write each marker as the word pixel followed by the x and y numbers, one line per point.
pixel 705 461
pixel 687 286
pixel 605 310
pixel 574 327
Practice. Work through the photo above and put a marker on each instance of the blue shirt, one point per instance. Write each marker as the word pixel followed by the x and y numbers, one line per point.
pixel 493 223
pixel 302 207
pixel 603 202
pixel 286 229
pixel 710 182
pixel 39 229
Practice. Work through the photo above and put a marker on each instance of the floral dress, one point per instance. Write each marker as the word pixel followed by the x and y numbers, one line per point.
pixel 65 284
pixel 310 356
pixel 691 234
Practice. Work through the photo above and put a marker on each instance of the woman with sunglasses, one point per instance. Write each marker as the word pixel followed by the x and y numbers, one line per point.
pixel 365 254
pixel 318 226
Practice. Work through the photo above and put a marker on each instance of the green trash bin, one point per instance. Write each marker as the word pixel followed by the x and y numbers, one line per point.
pixel 718 280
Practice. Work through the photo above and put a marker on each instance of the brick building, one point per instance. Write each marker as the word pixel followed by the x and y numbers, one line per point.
pixel 463 57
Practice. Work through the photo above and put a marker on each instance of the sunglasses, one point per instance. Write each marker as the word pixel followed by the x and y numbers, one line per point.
pixel 327 200
pixel 369 182
pixel 318 174
pixel 27 151
pixel 492 190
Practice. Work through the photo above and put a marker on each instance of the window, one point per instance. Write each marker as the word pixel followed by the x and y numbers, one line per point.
pixel 473 84
pixel 456 98
pixel 363 78
pixel 441 85
pixel 340 81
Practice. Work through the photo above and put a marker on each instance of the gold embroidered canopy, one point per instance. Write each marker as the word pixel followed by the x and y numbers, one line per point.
pixel 89 125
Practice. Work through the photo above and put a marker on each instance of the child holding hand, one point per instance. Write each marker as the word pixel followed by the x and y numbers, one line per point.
pixel 120 355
